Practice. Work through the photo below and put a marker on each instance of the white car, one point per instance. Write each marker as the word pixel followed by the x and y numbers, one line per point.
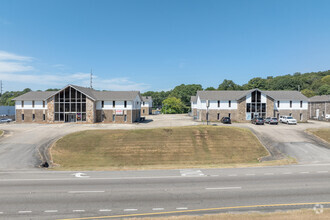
pixel 4 120
pixel 289 120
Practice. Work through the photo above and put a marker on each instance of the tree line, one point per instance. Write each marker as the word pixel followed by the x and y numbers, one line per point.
pixel 177 100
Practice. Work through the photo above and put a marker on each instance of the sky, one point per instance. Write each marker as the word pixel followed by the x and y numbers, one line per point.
pixel 159 44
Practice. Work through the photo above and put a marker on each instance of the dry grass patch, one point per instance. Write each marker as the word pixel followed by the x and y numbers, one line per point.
pixel 180 147
pixel 303 214
pixel 1 132
pixel 323 133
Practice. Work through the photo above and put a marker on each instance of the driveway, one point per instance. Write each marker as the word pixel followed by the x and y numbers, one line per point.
pixel 22 144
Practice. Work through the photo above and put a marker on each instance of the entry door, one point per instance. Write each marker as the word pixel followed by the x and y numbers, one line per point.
pixel 72 117
pixel 317 113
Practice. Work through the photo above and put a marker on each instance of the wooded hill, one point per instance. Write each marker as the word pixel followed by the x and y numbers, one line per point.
pixel 310 84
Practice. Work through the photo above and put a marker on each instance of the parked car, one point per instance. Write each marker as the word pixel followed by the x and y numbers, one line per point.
pixel 226 120
pixel 270 120
pixel 289 120
pixel 4 120
pixel 258 121
pixel 281 118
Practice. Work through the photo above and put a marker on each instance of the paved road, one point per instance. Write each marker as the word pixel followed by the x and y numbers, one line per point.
pixel 59 195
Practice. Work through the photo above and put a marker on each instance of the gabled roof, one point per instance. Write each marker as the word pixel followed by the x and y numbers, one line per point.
pixel 236 95
pixel 29 96
pixel 193 99
pixel 91 93
pixel 320 98
pixel 146 98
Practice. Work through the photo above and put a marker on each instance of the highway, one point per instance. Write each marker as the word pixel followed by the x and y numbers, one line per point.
pixel 116 194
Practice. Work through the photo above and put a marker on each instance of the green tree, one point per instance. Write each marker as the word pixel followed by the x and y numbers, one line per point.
pixel 184 92
pixel 257 83
pixel 326 80
pixel 324 90
pixel 308 93
pixel 228 85
pixel 53 89
pixel 210 88
pixel 173 105
pixel 157 97
pixel 6 98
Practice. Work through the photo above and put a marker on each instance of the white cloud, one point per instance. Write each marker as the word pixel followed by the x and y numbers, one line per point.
pixel 13 57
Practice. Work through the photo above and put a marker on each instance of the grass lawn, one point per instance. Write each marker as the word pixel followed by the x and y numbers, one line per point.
pixel 181 147
pixel 1 132
pixel 302 214
pixel 323 133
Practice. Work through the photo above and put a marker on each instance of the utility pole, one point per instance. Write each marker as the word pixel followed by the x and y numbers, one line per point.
pixel 0 88
pixel 91 80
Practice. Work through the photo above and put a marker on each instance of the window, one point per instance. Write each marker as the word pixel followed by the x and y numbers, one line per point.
pixel 229 115
pixel 218 116
pixel 44 117
pixel 278 104
pixel 125 118
pixel 301 104
pixel 143 111
pixel 113 104
pixel 113 117
pixel 33 117
pixel 248 107
pixel 290 114
pixel 22 117
pixel 102 104
pixel 144 103
pixel 32 104
pixel 43 104
pixel 218 103
pixel 301 116
pixel 290 104
pixel 22 104
pixel 229 103
pixel 125 104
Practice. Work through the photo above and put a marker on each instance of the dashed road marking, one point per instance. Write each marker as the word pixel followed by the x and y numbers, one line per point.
pixel 1 213
pixel 323 171
pixel 78 210
pixel 24 212
pixel 50 211
pixel 181 208
pixel 130 210
pixel 105 210
pixel 158 209
pixel 224 188
pixel 191 172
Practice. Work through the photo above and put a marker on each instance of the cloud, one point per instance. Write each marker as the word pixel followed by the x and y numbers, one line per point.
pixel 13 57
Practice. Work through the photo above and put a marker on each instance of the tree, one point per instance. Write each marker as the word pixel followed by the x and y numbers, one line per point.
pixel 326 80
pixel 257 83
pixel 184 92
pixel 324 90
pixel 210 88
pixel 308 93
pixel 6 98
pixel 53 89
pixel 173 105
pixel 229 85
pixel 157 97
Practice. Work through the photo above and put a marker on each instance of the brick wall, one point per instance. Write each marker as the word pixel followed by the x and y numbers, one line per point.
pixel 322 106
pixel 147 111
pixel 108 116
pixel 50 110
pixel 213 115
pixel 295 114
pixel 90 111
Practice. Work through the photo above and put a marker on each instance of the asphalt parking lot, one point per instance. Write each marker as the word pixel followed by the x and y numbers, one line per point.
pixel 21 144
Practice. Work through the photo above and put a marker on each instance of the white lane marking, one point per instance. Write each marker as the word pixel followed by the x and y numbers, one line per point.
pixel 324 171
pixel 105 210
pixel 191 172
pixel 232 175
pixel 80 175
pixel 86 191
pixel 50 211
pixel 1 213
pixel 250 174
pixel 181 208
pixel 130 210
pixel 78 210
pixel 157 209
pixel 24 212
pixel 268 173
pixel 287 173
pixel 224 188
pixel 304 172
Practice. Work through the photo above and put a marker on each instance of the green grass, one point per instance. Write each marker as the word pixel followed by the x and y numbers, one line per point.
pixel 1 132
pixel 180 147
pixel 323 133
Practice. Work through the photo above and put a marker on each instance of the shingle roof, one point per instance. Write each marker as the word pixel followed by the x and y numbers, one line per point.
pixel 236 95
pixel 91 93
pixel 146 98
pixel 320 98
pixel 193 99
pixel 34 96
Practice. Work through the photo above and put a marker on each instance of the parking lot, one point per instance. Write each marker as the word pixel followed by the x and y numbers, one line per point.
pixel 21 144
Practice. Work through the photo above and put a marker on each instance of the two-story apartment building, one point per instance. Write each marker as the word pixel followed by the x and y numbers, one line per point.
pixel 242 106
pixel 319 107
pixel 146 105
pixel 79 104
pixel 193 106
